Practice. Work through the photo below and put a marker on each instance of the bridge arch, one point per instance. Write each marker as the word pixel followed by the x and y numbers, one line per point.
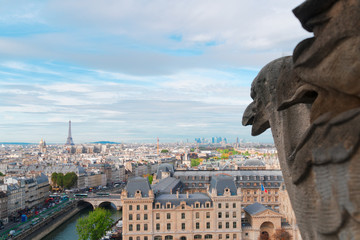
pixel 95 203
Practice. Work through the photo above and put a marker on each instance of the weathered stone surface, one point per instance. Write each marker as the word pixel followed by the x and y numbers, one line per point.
pixel 313 109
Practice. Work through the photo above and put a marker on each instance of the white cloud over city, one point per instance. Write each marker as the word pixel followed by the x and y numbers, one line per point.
pixel 130 71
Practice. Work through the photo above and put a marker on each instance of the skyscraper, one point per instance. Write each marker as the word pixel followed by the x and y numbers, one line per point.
pixel 69 140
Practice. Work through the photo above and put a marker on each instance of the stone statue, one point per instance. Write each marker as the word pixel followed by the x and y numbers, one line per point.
pixel 312 104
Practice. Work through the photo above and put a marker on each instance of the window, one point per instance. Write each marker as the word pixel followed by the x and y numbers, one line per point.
pixel 220 225
pixel 197 237
pixel 227 236
pixel 182 215
pixel 130 227
pixel 207 205
pixel 227 214
pixel 130 238
pixel 168 216
pixel 208 236
pixel 137 227
pixel 183 206
pixel 234 214
pixel 234 224
pixel 219 205
pixel 158 216
pixel 246 234
pixel 219 215
pixel 158 205
pixel 234 236
pixel 157 226
pixel 145 227
pixel 145 208
pixel 168 226
pixel 227 225
pixel 197 205
pixel 254 192
pixel 145 238
pixel 137 207
pixel 137 216
pixel 145 217
pixel 234 205
pixel 130 207
pixel 227 205
pixel 130 217
pixel 207 225
pixel 220 236
pixel 183 226
pixel 197 215
pixel 207 214
pixel 168 205
pixel 137 238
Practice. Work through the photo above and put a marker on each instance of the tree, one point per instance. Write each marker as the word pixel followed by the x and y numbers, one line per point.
pixel 54 178
pixel 95 225
pixel 70 180
pixel 196 161
pixel 164 151
pixel 1 174
pixel 60 180
pixel 281 234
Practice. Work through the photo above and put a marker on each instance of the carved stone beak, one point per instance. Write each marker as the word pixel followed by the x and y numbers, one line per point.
pixel 248 116
pixel 256 118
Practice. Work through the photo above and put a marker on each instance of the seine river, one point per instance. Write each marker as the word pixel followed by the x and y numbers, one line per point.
pixel 67 230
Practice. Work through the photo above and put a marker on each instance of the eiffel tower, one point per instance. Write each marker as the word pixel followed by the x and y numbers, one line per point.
pixel 69 140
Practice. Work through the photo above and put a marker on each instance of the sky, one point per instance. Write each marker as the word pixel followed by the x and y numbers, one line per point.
pixel 132 71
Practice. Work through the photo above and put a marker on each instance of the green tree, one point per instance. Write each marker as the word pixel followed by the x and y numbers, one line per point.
pixel 1 174
pixel 164 151
pixel 70 180
pixel 54 178
pixel 95 225
pixel 150 177
pixel 195 162
pixel 60 180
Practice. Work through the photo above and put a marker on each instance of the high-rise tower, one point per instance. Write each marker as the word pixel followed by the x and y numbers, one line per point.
pixel 69 140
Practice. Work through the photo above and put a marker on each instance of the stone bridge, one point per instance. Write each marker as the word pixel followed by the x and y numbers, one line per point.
pixel 97 201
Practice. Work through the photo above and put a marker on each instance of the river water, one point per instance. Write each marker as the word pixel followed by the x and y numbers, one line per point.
pixel 67 231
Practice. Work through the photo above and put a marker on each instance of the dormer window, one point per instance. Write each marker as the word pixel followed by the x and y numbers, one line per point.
pixel 138 192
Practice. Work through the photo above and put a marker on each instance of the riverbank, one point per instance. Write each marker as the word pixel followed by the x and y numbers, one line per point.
pixel 42 229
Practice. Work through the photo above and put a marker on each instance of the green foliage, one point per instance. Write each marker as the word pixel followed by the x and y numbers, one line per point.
pixel 95 225
pixel 195 162
pixel 164 151
pixel 60 180
pixel 68 180
pixel 150 177
pixel 1 174
pixel 192 150
pixel 246 153
pixel 54 178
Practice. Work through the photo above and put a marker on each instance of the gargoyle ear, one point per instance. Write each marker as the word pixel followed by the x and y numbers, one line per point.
pixel 304 94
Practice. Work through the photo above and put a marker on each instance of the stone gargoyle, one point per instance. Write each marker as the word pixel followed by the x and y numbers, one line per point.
pixel 311 101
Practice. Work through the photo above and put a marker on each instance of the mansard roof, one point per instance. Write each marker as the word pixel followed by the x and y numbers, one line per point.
pixel 221 182
pixel 167 185
pixel 138 184
pixel 189 199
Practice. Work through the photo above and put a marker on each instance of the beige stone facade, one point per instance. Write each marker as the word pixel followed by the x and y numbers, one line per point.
pixel 213 215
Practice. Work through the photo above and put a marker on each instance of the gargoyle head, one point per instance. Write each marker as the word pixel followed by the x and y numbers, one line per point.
pixel 263 93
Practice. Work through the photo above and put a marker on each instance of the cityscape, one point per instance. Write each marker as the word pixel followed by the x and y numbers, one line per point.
pixel 206 189
pixel 179 120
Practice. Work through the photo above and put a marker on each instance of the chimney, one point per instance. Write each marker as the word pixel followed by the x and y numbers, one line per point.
pixel 187 194
pixel 177 194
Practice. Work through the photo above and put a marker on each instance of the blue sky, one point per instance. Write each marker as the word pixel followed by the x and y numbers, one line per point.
pixel 130 71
